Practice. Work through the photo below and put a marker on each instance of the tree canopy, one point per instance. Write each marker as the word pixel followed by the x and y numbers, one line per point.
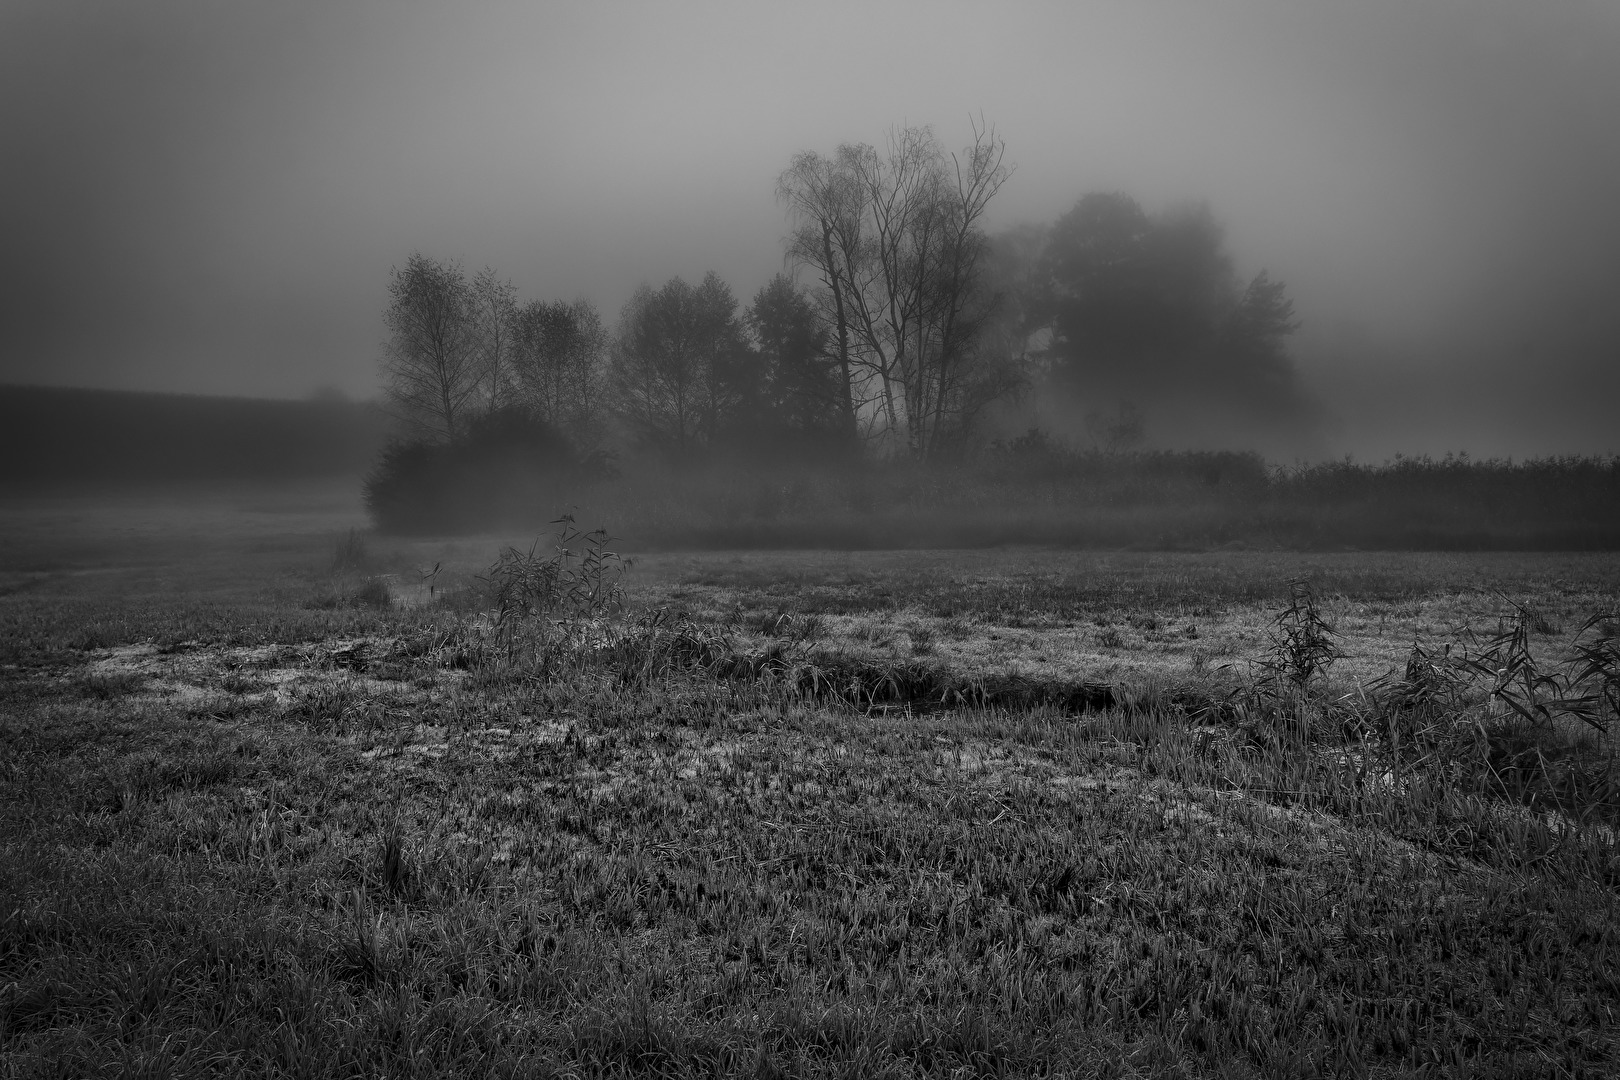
pixel 894 239
pixel 1147 308
pixel 430 361
pixel 901 324
pixel 680 369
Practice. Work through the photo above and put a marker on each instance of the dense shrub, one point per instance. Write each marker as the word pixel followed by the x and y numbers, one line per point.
pixel 1452 503
pixel 508 470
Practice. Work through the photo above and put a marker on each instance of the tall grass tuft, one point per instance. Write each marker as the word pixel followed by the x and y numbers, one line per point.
pixel 1289 689
pixel 1584 686
pixel 373 592
pixel 1594 672
pixel 576 577
pixel 350 553
pixel 1304 644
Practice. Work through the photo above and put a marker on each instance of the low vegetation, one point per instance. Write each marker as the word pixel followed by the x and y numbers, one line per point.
pixel 56 439
pixel 1029 491
pixel 506 465
pixel 941 815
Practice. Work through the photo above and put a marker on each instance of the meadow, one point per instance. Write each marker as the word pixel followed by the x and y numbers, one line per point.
pixel 281 798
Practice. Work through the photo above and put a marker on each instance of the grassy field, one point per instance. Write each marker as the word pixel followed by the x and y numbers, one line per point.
pixel 274 801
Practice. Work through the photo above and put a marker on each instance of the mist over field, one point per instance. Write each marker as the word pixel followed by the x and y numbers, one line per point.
pixel 809 540
pixel 211 199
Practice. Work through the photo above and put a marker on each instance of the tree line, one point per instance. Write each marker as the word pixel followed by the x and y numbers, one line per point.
pixel 687 369
pixel 902 329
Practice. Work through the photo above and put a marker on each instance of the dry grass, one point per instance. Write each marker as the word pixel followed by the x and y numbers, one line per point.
pixel 240 835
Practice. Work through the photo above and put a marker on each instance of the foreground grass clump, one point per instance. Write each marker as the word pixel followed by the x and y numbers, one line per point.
pixel 572 836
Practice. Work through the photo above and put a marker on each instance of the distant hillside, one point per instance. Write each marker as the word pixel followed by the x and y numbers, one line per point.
pixel 52 437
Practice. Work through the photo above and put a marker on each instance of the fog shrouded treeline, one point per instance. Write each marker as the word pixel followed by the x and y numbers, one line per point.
pixel 57 439
pixel 903 330
pixel 1107 378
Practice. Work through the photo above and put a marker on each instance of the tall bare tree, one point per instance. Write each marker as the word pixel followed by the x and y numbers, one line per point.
pixel 954 375
pixel 822 195
pixel 896 240
pixel 494 309
pixel 431 359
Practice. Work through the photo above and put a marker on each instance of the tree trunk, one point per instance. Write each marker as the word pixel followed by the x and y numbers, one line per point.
pixel 846 388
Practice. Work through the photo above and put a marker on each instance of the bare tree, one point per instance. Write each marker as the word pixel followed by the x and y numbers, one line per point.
pixel 559 353
pixel 1114 433
pixel 431 359
pixel 821 193
pixel 897 243
pixel 494 305
pixel 953 377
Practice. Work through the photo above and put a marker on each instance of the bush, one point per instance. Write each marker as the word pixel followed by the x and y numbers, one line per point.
pixel 508 470
pixel 512 473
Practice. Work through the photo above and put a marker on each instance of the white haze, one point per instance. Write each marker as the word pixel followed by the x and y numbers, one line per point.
pixel 207 197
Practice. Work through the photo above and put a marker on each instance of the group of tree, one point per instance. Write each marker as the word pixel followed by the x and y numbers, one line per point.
pixel 691 373
pixel 687 372
pixel 460 349
pixel 900 324
pixel 1147 309
pixel 895 243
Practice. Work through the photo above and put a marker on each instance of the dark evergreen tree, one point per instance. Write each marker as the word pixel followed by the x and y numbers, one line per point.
pixel 801 391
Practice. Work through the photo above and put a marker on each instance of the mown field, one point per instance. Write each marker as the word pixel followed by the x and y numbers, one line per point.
pixel 280 800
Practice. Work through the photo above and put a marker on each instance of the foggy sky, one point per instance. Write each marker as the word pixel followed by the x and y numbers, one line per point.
pixel 207 196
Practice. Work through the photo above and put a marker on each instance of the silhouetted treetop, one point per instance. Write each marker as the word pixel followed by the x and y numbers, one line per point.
pixel 799 374
pixel 1147 308
pixel 895 241
pixel 681 366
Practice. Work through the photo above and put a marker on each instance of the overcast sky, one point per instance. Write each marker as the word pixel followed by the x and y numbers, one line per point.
pixel 207 195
